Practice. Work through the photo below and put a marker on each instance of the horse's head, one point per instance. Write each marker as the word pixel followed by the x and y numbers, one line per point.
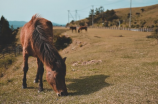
pixel 71 27
pixel 56 78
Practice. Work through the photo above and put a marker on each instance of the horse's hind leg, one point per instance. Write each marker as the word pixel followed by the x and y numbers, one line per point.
pixel 25 69
pixel 40 74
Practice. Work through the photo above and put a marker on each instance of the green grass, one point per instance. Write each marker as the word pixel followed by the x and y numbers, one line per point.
pixel 127 73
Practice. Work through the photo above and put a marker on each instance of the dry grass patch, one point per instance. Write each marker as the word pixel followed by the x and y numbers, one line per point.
pixel 127 73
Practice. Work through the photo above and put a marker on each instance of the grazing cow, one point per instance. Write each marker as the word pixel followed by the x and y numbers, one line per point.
pixel 81 28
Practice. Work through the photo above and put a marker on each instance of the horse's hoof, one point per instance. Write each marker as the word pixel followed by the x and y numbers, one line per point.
pixel 35 81
pixel 23 87
pixel 40 91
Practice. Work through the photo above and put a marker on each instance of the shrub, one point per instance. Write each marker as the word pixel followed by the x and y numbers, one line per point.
pixel 62 42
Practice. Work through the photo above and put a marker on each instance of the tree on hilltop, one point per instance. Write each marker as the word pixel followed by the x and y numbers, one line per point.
pixel 100 16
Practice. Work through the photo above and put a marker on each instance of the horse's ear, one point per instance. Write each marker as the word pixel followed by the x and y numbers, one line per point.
pixel 64 59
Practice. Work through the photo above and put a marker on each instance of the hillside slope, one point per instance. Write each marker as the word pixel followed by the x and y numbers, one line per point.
pixel 103 66
pixel 141 17
pixel 149 14
pixel 17 24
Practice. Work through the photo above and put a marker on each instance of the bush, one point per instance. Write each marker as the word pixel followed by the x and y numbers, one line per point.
pixel 132 26
pixel 61 41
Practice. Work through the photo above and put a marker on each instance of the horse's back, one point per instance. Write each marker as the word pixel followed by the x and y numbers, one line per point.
pixel 24 33
pixel 28 30
pixel 25 37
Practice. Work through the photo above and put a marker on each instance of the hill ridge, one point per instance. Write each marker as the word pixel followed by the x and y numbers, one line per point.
pixel 142 17
pixel 17 24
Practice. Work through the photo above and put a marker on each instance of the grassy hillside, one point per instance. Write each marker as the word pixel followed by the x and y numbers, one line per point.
pixel 103 66
pixel 139 19
pixel 148 15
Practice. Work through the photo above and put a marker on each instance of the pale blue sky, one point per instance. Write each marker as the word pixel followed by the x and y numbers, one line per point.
pixel 57 10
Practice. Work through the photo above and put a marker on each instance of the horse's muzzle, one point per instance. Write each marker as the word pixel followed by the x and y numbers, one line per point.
pixel 62 94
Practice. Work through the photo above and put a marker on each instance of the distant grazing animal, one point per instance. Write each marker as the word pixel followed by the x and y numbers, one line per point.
pixel 81 28
pixel 37 38
pixel 73 28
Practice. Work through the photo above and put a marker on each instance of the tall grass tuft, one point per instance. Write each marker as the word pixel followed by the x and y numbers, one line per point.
pixel 5 63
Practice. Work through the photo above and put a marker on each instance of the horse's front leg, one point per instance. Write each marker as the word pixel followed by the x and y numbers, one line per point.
pixel 40 74
pixel 37 75
pixel 25 69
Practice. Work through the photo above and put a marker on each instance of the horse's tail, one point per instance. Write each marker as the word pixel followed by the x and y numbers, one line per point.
pixel 42 46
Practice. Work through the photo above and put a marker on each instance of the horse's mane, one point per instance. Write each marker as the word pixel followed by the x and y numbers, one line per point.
pixel 42 41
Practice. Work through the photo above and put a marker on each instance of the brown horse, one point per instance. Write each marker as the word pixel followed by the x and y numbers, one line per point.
pixel 73 28
pixel 36 38
pixel 81 28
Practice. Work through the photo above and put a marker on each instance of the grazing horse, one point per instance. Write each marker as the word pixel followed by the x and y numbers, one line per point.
pixel 81 28
pixel 37 40
pixel 73 28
